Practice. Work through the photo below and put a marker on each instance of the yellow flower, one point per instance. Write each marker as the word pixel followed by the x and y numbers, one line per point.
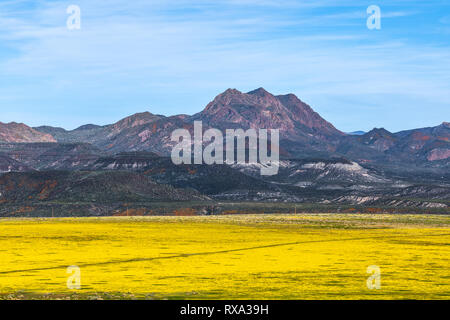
pixel 304 256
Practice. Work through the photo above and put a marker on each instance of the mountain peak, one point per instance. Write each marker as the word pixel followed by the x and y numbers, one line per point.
pixel 261 92
pixel 260 109
pixel 144 114
pixel 230 92
pixel 21 133
pixel 135 120
pixel 379 131
pixel 88 127
pixel 379 139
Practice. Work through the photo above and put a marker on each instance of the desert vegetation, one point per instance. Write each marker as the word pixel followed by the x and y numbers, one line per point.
pixel 281 256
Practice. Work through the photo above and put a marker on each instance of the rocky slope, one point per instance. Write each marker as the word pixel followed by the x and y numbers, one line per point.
pixel 128 160
pixel 8 164
pixel 301 127
pixel 303 132
pixel 260 109
pixel 85 186
pixel 129 134
pixel 19 132
pixel 425 146
pixel 207 179
pixel 52 156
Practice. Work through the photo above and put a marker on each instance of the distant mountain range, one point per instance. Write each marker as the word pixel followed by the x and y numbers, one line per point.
pixel 320 164
pixel 304 133
pixel 357 133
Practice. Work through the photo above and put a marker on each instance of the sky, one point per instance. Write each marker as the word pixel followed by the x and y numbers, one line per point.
pixel 173 57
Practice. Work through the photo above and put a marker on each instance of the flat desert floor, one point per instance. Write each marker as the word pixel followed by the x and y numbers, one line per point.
pixel 304 256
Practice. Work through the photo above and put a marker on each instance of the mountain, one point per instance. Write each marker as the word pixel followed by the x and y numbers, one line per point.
pixel 419 147
pixel 302 131
pixel 300 180
pixel 135 120
pixel 441 131
pixel 52 156
pixel 304 134
pixel 151 136
pixel 320 173
pixel 212 180
pixel 19 132
pixel 427 144
pixel 81 134
pixel 102 170
pixel 10 165
pixel 99 135
pixel 88 127
pixel 357 133
pixel 378 139
pixel 141 131
pixel 85 186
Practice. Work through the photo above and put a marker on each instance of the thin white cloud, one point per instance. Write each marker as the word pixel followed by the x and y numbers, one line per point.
pixel 125 50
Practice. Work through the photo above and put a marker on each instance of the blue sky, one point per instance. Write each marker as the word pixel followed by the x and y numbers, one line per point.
pixel 171 57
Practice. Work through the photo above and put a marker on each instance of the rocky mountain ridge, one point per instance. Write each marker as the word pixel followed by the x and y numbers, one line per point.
pixel 129 161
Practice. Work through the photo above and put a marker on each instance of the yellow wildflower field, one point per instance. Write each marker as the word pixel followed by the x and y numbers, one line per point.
pixel 303 256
